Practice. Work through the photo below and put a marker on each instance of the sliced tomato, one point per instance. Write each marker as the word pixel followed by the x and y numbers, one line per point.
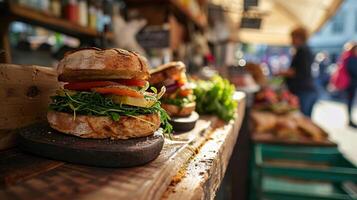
pixel 182 81
pixel 132 82
pixel 119 91
pixel 88 85
pixel 185 93
pixel 95 84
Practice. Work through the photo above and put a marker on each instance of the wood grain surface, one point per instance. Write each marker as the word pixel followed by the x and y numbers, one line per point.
pixel 12 164
pixel 206 170
pixel 24 97
pixel 75 181
pixel 39 18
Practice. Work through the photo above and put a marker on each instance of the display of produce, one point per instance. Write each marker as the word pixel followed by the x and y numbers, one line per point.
pixel 105 99
pixel 215 97
pixel 178 99
pixel 291 126
pixel 278 101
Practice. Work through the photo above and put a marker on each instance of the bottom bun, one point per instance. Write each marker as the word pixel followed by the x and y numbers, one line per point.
pixel 176 111
pixel 100 127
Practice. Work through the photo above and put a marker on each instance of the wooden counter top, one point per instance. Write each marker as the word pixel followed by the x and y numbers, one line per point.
pixel 190 166
pixel 206 169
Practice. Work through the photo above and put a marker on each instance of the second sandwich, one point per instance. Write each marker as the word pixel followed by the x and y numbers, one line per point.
pixel 178 100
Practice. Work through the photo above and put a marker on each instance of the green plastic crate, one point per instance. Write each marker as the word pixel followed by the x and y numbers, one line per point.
pixel 278 171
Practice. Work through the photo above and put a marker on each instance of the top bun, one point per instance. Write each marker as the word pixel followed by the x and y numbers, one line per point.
pixel 96 64
pixel 170 65
pixel 166 71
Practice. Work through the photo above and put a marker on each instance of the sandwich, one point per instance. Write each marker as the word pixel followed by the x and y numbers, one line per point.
pixel 178 101
pixel 105 96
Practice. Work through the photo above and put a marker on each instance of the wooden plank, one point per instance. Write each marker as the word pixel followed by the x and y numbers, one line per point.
pixel 154 13
pixel 206 170
pixel 146 182
pixel 16 166
pixel 24 97
pixel 39 18
pixel 174 154
pixel 5 56
pixel 31 16
pixel 7 139
pixel 199 18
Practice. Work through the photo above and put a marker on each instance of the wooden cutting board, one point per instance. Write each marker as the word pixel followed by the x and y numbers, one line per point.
pixel 40 139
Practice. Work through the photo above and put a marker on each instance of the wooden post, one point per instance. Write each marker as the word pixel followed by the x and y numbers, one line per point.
pixel 5 41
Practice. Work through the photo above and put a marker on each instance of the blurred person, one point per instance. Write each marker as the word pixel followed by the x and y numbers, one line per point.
pixel 299 76
pixel 320 71
pixel 323 61
pixel 349 58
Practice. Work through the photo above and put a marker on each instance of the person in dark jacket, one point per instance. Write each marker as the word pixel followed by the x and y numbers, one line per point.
pixel 351 65
pixel 299 76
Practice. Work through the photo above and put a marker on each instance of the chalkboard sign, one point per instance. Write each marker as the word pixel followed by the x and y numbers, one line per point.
pixel 250 3
pixel 154 38
pixel 251 23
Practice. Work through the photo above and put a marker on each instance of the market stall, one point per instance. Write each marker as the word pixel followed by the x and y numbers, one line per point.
pixel 155 100
pixel 271 21
pixel 290 154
